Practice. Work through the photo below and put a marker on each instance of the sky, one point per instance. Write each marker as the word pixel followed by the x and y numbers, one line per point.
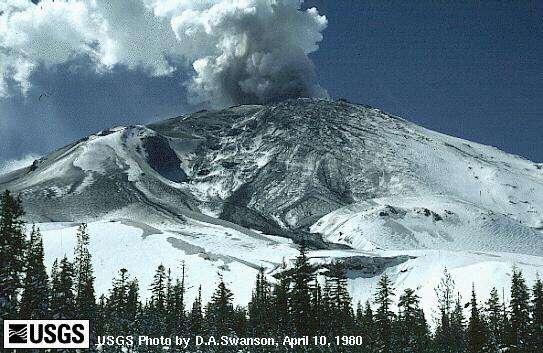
pixel 471 70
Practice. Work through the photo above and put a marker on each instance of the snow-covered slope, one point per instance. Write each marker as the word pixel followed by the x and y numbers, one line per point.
pixel 209 250
pixel 231 189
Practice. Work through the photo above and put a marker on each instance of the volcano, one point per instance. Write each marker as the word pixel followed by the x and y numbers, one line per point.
pixel 234 190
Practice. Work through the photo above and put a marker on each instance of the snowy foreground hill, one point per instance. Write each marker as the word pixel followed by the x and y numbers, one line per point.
pixel 233 190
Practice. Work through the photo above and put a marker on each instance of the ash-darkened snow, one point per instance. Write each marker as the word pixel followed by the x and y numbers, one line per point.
pixel 231 188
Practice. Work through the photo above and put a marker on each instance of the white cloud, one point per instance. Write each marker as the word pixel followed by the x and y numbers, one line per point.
pixel 241 51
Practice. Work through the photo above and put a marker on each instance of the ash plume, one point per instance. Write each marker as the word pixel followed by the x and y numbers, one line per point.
pixel 236 51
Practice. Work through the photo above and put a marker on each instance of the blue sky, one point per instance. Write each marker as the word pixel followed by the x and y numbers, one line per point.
pixel 472 70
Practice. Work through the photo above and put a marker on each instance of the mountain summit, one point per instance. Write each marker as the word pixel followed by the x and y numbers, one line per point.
pixel 343 176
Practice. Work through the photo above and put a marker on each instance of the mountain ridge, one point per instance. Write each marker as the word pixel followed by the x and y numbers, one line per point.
pixel 233 190
pixel 275 168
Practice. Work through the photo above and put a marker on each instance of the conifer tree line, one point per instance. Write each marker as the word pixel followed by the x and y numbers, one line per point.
pixel 296 303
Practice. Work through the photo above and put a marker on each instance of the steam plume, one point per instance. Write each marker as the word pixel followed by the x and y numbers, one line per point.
pixel 239 51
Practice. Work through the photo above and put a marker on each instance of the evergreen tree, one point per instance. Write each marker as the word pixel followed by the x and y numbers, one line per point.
pixel 445 296
pixel 413 332
pixel 120 311
pixel 169 313
pixel 117 322
pixel 35 296
pixel 458 327
pixel 62 304
pixel 54 276
pixel 476 335
pixel 280 312
pixel 239 321
pixel 85 297
pixel 152 324
pixel 359 314
pixel 12 254
pixel 176 307
pixel 101 316
pixel 367 328
pixel 158 289
pixel 133 306
pixel 259 308
pixel 494 320
pixel 520 312
pixel 323 308
pixel 506 331
pixel 384 316
pixel 341 317
pixel 155 310
pixel 84 277
pixel 220 311
pixel 300 297
pixel 196 316
pixel 537 317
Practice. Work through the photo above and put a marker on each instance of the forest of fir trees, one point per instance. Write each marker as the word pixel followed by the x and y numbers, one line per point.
pixel 293 304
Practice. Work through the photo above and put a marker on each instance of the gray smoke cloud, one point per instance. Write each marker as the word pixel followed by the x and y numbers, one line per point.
pixel 239 51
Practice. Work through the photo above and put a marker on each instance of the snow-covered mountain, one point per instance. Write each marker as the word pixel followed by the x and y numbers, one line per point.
pixel 231 190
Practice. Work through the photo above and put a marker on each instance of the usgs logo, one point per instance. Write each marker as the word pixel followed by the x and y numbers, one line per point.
pixel 46 334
